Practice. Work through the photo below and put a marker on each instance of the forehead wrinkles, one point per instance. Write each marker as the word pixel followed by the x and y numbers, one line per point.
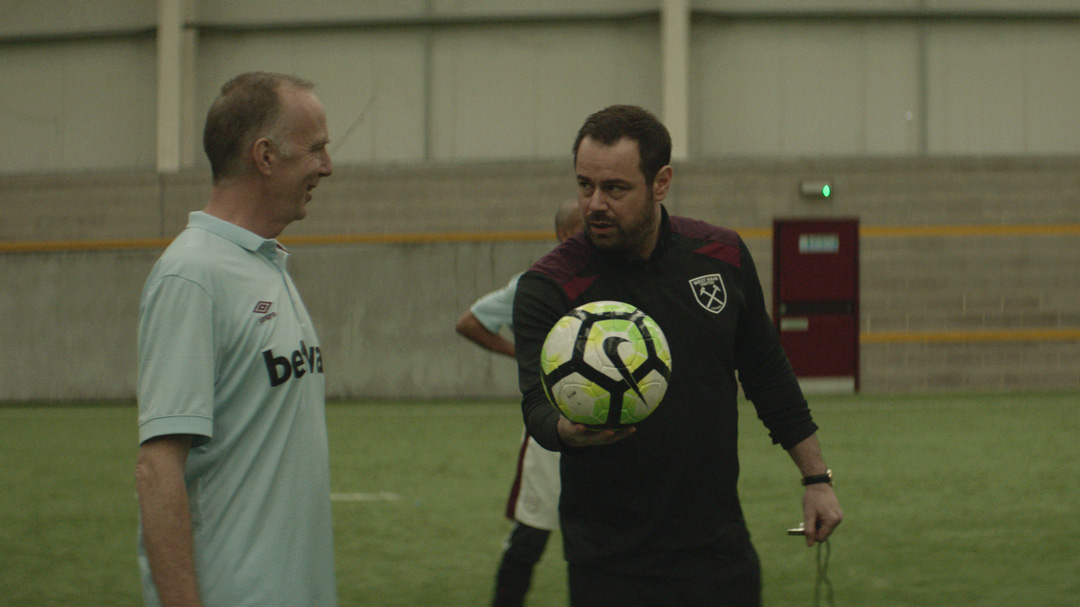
pixel 618 162
pixel 305 116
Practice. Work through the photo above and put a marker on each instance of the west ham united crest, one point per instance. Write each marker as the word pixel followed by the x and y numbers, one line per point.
pixel 709 292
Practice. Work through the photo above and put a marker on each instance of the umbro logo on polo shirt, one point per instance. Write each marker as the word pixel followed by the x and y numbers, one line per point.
pixel 263 307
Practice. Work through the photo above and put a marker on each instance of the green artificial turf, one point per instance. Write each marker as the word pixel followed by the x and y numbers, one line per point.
pixel 949 500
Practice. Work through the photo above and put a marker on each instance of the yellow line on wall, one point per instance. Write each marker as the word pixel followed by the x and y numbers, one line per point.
pixel 52 246
pixel 417 238
pixel 944 231
pixel 972 336
pixel 67 246
pixel 876 337
pixel 1066 229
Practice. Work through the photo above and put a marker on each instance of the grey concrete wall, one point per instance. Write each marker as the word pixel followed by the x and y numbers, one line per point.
pixel 479 80
pixel 385 311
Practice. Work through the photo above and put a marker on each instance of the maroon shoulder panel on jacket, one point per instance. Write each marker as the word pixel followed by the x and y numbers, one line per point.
pixel 722 243
pixel 564 263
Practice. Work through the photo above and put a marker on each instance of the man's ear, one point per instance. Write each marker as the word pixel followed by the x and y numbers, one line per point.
pixel 662 182
pixel 264 155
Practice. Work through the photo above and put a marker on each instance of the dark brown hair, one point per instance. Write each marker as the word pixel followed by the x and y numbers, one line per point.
pixel 612 123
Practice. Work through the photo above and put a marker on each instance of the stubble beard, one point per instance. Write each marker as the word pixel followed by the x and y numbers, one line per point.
pixel 625 239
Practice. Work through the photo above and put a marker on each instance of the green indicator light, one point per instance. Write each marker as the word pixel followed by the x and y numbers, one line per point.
pixel 815 190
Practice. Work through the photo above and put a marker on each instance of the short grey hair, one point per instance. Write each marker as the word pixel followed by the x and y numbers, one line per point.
pixel 249 107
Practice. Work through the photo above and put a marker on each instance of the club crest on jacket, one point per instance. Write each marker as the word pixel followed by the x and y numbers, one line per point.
pixel 709 292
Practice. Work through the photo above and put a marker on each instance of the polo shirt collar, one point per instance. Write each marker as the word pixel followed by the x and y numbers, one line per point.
pixel 268 247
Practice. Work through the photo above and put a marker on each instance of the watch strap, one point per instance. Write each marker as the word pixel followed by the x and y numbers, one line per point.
pixel 816 479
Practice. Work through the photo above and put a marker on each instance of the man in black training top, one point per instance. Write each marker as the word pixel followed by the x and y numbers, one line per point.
pixel 650 514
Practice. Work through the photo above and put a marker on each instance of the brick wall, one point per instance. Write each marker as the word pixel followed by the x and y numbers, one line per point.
pixel 969 266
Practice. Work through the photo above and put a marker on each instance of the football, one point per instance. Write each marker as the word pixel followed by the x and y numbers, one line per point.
pixel 605 364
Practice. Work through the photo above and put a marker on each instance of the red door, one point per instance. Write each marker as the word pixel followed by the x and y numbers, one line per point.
pixel 816 299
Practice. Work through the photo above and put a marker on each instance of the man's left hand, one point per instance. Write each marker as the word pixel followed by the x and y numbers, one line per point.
pixel 821 512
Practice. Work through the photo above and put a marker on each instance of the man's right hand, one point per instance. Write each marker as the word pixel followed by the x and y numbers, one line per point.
pixel 575 435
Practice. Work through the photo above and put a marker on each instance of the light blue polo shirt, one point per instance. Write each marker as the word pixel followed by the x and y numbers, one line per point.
pixel 228 354
pixel 496 309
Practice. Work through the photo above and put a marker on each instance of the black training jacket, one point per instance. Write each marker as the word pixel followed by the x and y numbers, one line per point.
pixel 669 490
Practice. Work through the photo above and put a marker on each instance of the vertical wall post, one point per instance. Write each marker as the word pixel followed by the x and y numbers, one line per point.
pixel 170 80
pixel 675 50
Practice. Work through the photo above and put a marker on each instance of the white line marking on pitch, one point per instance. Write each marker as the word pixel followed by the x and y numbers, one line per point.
pixel 364 497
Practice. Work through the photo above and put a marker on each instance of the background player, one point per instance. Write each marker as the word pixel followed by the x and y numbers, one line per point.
pixel 534 497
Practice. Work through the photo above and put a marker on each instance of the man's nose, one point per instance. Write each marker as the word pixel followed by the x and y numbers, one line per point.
pixel 598 201
pixel 326 166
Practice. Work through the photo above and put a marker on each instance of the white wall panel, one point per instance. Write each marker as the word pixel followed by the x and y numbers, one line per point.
pixel 370 82
pixel 1053 85
pixel 77 105
pixel 517 8
pixel 975 95
pixel 411 80
pixel 803 88
pixel 518 91
pixel 247 12
pixel 894 117
pixel 1002 5
pixel 1003 88
pixel 782 6
pixel 887 6
pixel 225 12
pixel 33 18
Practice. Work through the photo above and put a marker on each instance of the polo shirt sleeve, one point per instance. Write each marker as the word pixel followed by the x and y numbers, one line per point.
pixel 495 310
pixel 176 360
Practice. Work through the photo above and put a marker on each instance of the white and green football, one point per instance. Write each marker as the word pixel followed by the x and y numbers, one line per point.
pixel 605 364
